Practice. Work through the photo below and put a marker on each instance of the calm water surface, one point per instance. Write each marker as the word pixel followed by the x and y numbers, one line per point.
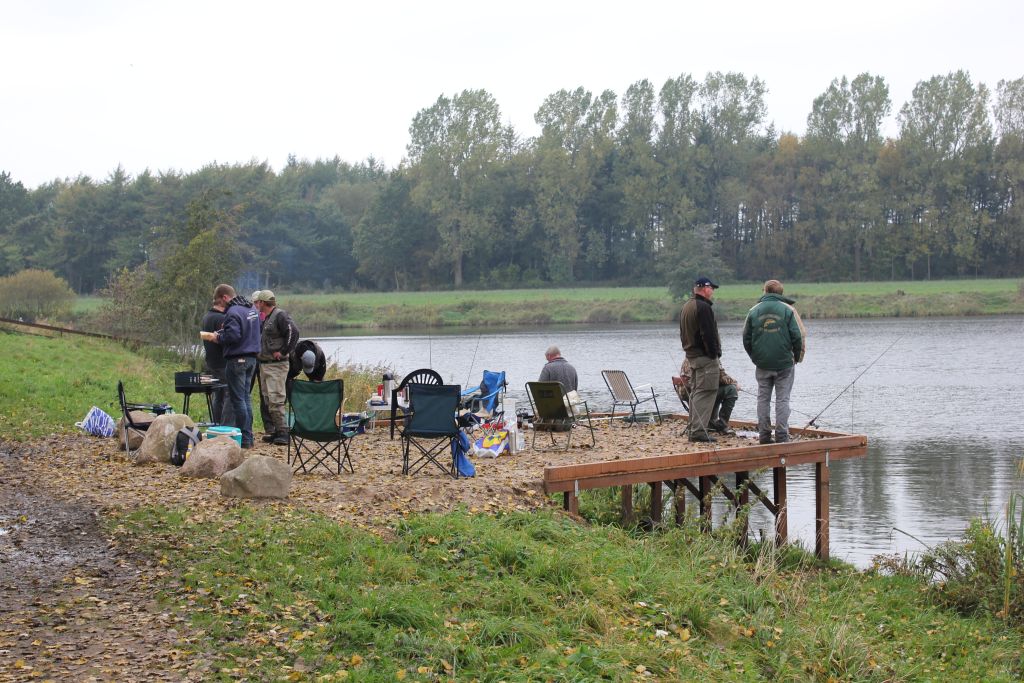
pixel 943 409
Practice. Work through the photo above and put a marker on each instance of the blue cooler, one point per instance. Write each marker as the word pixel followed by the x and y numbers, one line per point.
pixel 220 430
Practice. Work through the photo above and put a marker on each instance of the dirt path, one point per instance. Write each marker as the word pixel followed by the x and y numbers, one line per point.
pixel 74 606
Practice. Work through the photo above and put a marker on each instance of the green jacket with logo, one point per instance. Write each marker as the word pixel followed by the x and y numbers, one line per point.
pixel 773 334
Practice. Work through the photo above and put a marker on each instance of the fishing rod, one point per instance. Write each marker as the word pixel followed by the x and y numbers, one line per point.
pixel 847 387
pixel 472 362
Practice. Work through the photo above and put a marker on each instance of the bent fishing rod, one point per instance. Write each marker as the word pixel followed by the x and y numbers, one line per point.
pixel 847 387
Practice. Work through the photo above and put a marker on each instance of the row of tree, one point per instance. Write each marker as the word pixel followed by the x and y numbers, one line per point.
pixel 647 188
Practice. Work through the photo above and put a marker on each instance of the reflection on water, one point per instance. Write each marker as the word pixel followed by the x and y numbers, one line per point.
pixel 943 409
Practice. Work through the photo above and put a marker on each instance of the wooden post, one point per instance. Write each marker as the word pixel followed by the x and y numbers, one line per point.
pixel 570 503
pixel 656 504
pixel 781 507
pixel 821 504
pixel 742 500
pixel 627 504
pixel 705 502
pixel 680 502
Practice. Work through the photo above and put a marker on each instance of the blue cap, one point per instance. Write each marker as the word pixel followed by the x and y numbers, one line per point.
pixel 704 282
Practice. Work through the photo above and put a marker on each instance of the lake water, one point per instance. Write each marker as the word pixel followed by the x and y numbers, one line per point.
pixel 943 409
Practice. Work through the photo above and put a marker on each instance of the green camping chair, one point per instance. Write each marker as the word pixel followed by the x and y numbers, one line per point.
pixel 431 428
pixel 319 435
pixel 553 413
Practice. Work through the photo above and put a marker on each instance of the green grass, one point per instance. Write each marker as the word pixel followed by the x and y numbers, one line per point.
pixel 613 305
pixel 278 592
pixel 49 383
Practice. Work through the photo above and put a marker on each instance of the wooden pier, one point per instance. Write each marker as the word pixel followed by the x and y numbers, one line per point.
pixel 708 468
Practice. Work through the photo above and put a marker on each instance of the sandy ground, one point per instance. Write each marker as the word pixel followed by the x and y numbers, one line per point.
pixel 75 606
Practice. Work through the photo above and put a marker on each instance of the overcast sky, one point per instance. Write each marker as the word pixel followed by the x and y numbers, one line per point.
pixel 88 86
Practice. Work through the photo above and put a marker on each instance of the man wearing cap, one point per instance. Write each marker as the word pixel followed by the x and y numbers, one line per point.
pixel 774 338
pixel 309 358
pixel 698 332
pixel 278 337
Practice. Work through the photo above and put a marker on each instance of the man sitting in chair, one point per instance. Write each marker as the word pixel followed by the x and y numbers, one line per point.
pixel 725 399
pixel 558 369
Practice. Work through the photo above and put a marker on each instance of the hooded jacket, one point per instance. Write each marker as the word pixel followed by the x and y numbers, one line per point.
pixel 241 333
pixel 773 334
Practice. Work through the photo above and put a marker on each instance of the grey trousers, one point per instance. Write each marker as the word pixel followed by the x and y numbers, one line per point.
pixel 702 395
pixel 782 382
pixel 273 378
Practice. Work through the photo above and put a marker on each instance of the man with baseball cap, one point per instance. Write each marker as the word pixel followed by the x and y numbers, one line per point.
pixel 278 337
pixel 698 332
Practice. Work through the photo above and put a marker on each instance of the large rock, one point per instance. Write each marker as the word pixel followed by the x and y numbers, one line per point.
pixel 210 458
pixel 259 476
pixel 134 438
pixel 156 447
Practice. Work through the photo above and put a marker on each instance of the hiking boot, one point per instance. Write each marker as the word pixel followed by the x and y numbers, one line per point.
pixel 268 438
pixel 766 439
pixel 721 427
pixel 702 437
pixel 280 439
pixel 781 438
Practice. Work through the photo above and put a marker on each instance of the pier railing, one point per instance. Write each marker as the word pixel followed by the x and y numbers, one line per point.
pixel 708 467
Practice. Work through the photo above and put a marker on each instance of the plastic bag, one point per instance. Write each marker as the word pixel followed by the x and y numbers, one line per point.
pixel 97 423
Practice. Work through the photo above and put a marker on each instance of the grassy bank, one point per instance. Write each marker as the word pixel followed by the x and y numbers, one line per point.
pixel 603 305
pixel 48 383
pixel 286 594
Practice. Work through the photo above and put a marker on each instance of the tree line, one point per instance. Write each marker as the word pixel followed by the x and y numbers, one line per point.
pixel 647 188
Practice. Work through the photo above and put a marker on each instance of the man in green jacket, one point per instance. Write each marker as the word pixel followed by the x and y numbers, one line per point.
pixel 774 338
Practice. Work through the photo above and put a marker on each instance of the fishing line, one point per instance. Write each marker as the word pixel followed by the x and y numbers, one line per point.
pixel 847 387
pixel 472 361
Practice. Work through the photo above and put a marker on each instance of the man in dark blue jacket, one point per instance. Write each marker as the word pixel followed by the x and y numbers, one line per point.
pixel 240 342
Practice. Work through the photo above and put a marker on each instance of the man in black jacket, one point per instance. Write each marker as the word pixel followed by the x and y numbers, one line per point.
pixel 213 365
pixel 698 332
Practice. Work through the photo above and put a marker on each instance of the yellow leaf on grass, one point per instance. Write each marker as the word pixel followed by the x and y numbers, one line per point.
pixel 400 674
pixel 355 660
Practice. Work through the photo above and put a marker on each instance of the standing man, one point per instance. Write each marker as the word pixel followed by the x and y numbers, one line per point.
pixel 277 341
pixel 698 332
pixel 774 338
pixel 240 342
pixel 557 369
pixel 213 364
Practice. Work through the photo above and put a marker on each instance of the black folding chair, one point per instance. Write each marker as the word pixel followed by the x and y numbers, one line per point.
pixel 421 376
pixel 135 426
pixel 319 434
pixel 431 428
pixel 553 413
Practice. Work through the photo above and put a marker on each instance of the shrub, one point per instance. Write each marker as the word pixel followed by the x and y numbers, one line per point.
pixel 33 294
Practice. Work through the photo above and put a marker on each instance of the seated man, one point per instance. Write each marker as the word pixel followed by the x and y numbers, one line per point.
pixel 725 399
pixel 558 369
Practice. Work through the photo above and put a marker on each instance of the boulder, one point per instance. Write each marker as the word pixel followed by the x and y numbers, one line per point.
pixel 211 458
pixel 259 476
pixel 134 439
pixel 156 447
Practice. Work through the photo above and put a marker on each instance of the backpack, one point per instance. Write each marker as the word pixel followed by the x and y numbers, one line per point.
pixel 186 438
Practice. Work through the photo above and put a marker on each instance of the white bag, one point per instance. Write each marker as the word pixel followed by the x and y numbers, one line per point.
pixel 97 423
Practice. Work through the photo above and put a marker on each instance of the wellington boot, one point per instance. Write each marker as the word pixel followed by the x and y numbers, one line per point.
pixel 280 439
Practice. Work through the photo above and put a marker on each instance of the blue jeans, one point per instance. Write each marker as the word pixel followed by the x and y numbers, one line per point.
pixel 239 372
